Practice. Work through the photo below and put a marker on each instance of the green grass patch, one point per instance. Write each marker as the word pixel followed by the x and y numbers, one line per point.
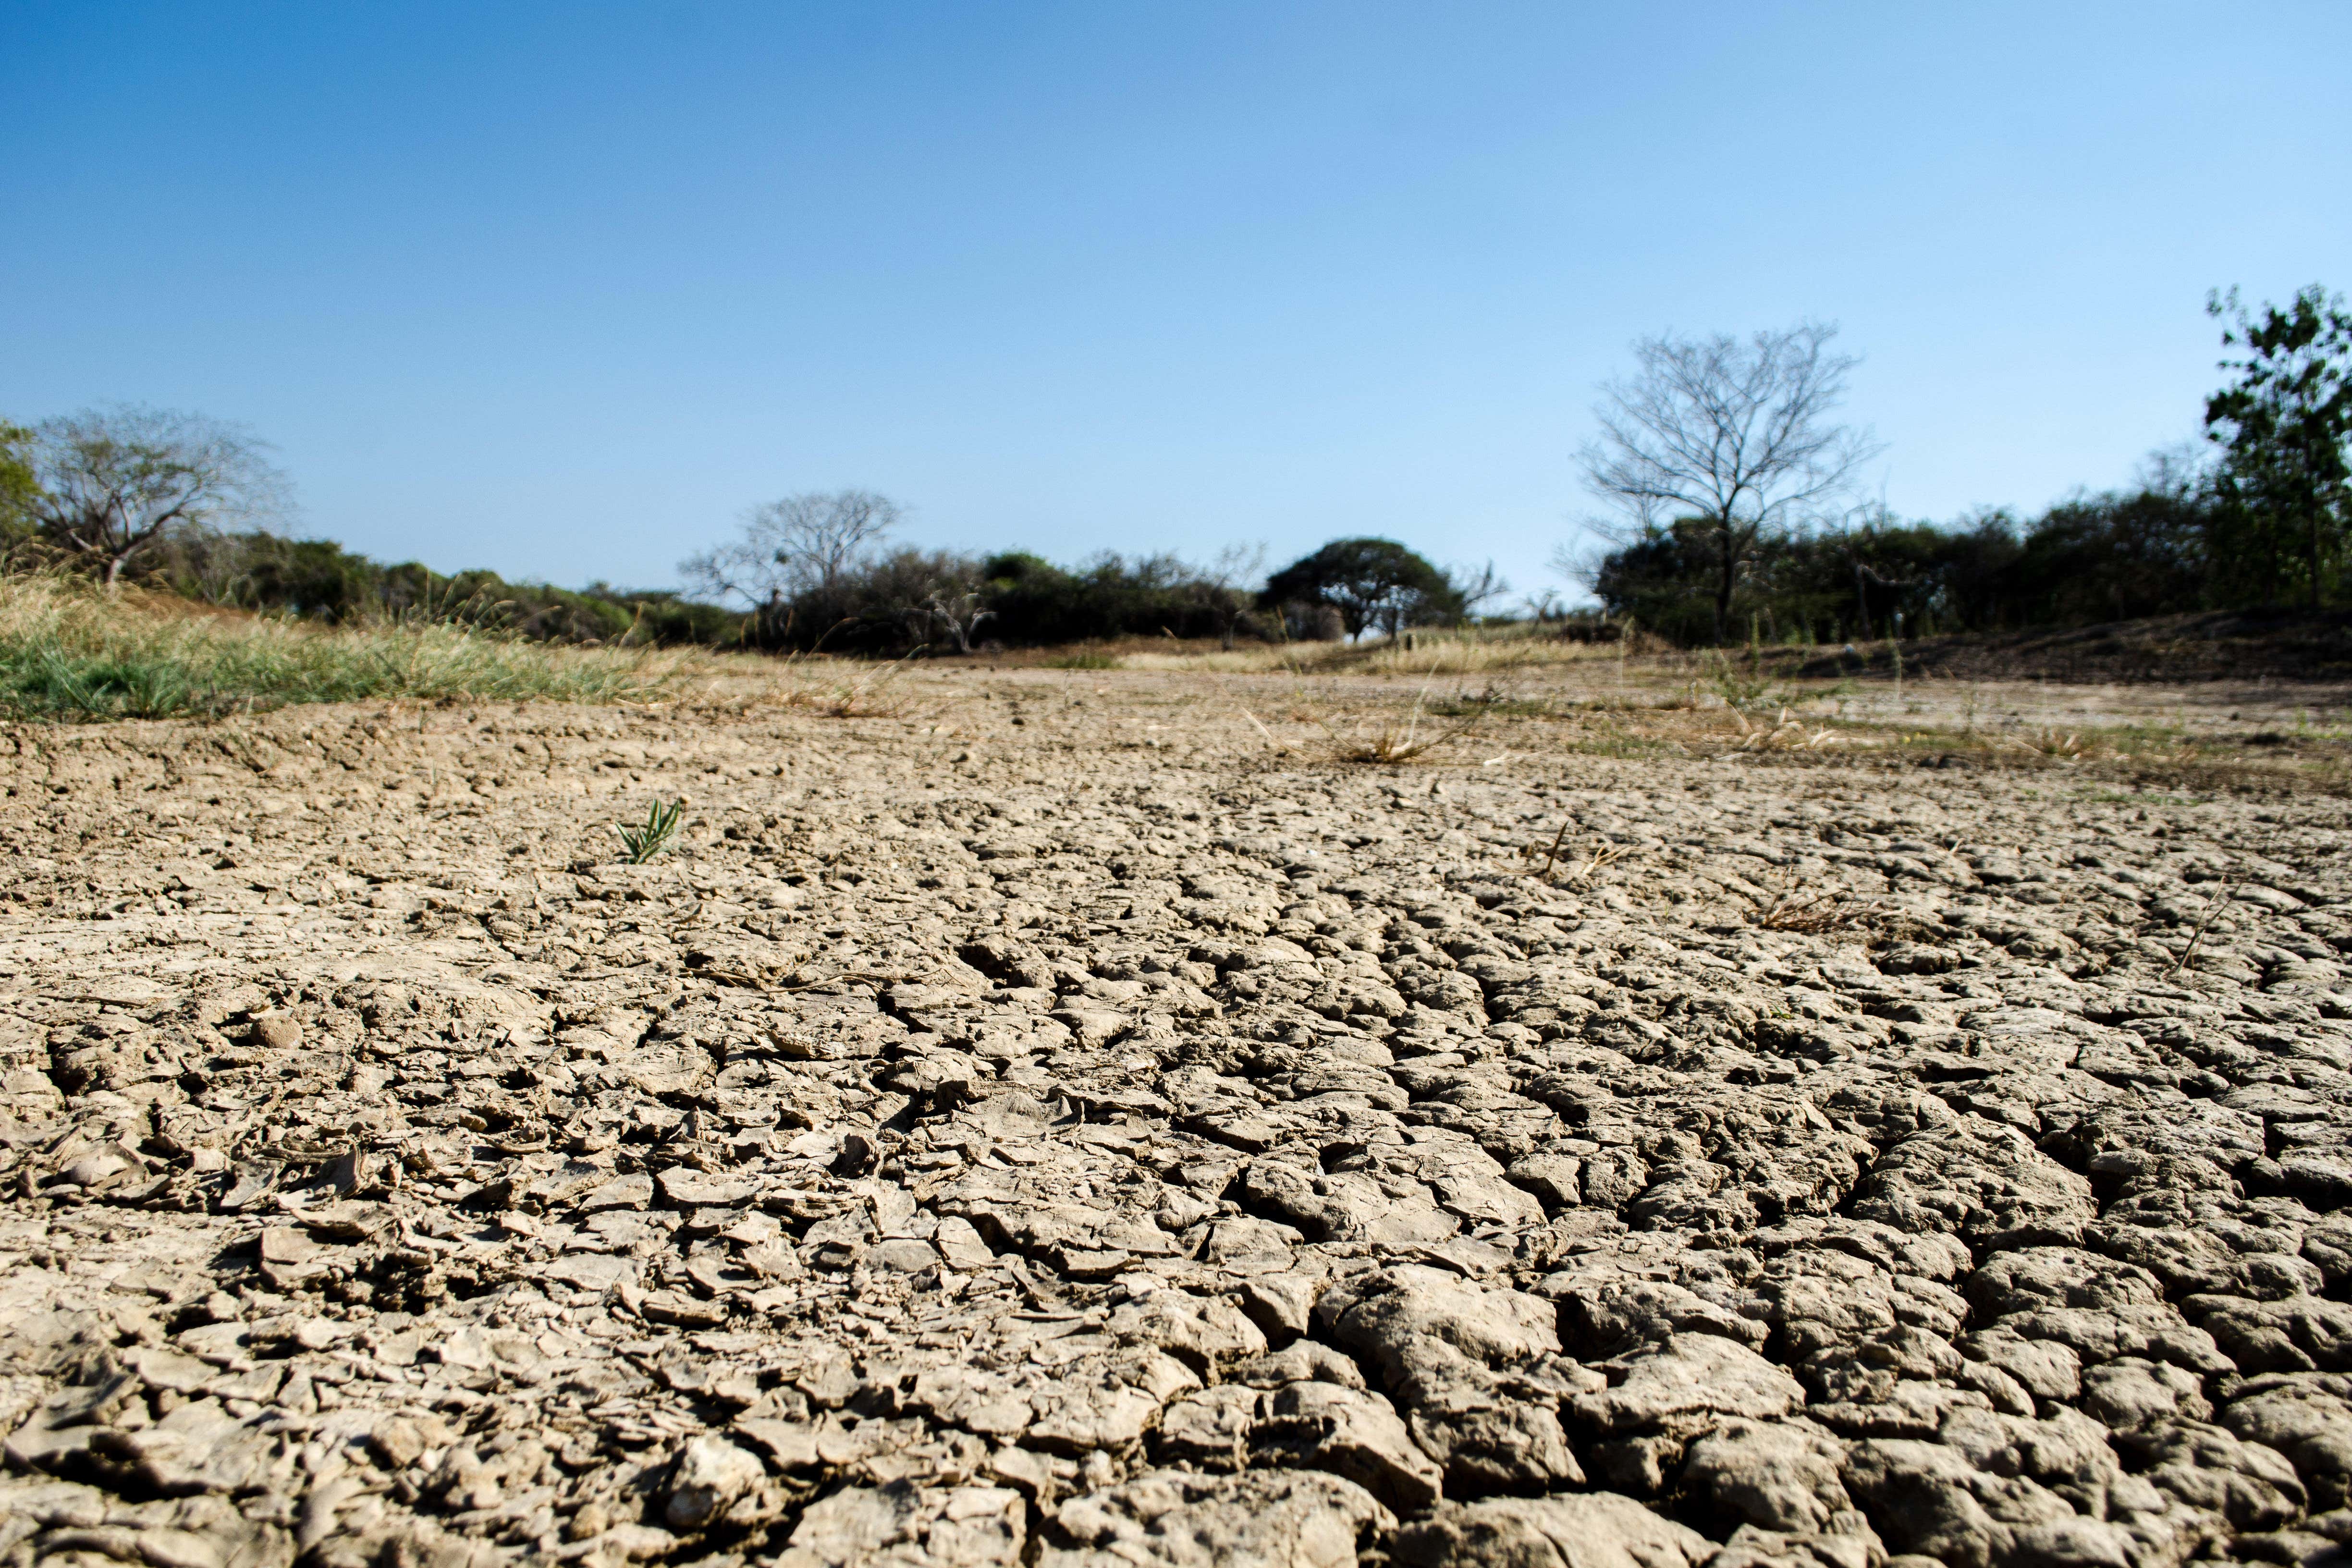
pixel 72 653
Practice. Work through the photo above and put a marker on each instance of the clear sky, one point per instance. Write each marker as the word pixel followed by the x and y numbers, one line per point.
pixel 561 288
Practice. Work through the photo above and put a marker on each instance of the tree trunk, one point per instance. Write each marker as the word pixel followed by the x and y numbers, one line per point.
pixel 1723 589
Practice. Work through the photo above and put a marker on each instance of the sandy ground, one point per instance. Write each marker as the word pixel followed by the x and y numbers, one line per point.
pixel 1071 1121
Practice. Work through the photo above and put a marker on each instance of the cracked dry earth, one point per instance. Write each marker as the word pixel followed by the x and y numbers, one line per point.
pixel 1028 1142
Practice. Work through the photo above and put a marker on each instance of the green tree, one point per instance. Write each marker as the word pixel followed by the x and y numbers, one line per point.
pixel 1371 581
pixel 2283 425
pixel 18 487
pixel 20 484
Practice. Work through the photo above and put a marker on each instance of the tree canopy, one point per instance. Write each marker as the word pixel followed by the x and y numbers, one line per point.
pixel 1372 583
pixel 18 484
pixel 115 485
pixel 2282 424
pixel 1728 441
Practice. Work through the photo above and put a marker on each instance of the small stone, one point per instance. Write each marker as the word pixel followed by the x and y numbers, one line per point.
pixel 284 1244
pixel 712 1474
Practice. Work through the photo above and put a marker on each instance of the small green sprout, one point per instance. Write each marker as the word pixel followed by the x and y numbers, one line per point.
pixel 661 825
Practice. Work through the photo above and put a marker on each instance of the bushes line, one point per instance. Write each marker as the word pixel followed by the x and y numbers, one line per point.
pixel 2118 556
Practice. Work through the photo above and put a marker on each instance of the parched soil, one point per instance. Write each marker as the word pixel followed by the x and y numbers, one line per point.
pixel 1053 1125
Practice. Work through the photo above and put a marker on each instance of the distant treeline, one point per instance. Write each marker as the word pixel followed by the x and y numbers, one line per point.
pixel 2260 516
pixel 2147 552
pixel 317 579
pixel 882 604
pixel 885 604
pixel 875 600
pixel 153 496
pixel 1728 437
pixel 890 601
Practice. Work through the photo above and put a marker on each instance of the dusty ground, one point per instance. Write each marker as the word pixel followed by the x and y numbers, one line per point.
pixel 1050 1124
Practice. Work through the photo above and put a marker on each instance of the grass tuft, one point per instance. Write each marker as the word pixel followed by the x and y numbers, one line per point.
pixel 1391 744
pixel 876 694
pixel 640 844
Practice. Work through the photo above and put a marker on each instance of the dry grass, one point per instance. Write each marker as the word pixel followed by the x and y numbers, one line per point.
pixel 1445 651
pixel 1788 735
pixel 1577 873
pixel 1783 907
pixel 1390 743
pixel 2050 743
pixel 840 688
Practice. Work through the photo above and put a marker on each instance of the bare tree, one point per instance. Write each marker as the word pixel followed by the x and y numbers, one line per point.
pixel 1580 563
pixel 1227 585
pixel 2177 469
pixel 916 590
pixel 958 609
pixel 810 541
pixel 116 484
pixel 1733 432
pixel 1476 588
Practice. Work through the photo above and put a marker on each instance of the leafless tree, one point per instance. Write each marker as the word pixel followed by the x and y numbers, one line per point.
pixel 957 608
pixel 1227 585
pixel 1732 432
pixel 801 543
pixel 2178 470
pixel 1483 586
pixel 1580 562
pixel 116 484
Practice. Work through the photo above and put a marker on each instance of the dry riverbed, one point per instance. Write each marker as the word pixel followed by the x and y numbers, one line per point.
pixel 1071 1121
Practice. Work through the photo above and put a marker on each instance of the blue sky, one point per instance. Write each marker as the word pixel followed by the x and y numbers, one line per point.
pixel 560 289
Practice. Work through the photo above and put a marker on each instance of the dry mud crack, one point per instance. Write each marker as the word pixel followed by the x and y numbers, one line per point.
pixel 1068 1141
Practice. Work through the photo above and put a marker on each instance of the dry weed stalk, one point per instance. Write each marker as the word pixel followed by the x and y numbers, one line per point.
pixel 2050 743
pixel 1226 692
pixel 1603 852
pixel 1783 908
pixel 2213 909
pixel 1391 746
pixel 867 697
pixel 1789 735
